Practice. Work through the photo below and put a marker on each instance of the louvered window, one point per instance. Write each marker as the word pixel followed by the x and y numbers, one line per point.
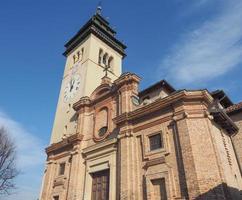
pixel 155 142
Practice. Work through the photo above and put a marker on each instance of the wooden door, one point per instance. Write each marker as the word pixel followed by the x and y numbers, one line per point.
pixel 100 185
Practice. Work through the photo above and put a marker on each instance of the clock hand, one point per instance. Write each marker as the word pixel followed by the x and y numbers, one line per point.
pixel 70 85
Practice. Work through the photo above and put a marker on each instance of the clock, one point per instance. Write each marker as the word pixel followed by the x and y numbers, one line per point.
pixel 72 87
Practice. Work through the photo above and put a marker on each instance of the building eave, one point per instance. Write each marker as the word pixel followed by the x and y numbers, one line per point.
pixel 107 35
pixel 223 97
pixel 236 108
pixel 162 83
pixel 221 118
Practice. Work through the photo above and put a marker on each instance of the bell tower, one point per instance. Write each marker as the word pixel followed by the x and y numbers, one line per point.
pixel 92 50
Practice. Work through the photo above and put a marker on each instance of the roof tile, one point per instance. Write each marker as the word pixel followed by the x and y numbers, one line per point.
pixel 235 107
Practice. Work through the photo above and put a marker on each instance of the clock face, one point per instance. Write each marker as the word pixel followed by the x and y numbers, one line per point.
pixel 72 87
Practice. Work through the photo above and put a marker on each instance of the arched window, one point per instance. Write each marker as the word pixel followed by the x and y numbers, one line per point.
pixel 102 122
pixel 110 63
pixel 105 59
pixel 74 58
pixel 82 53
pixel 100 56
pixel 78 55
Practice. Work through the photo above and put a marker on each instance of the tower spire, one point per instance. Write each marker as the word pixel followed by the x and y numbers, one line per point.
pixel 99 8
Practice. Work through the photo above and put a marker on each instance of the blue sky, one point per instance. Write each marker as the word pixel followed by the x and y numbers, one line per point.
pixel 193 44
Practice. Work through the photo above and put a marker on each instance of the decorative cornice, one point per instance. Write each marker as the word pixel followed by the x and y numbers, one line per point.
pixel 127 77
pixel 107 87
pixel 60 181
pixel 101 29
pixel 87 102
pixel 55 157
pixel 101 148
pixel 69 141
pixel 164 103
pixel 153 162
pixel 84 101
pixel 152 123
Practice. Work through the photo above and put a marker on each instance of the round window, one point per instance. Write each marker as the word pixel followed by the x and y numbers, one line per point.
pixel 102 131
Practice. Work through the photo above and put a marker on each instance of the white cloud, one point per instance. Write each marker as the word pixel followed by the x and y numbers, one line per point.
pixel 29 147
pixel 30 159
pixel 208 51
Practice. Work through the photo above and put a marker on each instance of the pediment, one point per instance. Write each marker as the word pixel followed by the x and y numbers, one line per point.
pixel 101 91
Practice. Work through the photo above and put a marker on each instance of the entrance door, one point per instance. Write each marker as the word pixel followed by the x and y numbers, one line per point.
pixel 100 185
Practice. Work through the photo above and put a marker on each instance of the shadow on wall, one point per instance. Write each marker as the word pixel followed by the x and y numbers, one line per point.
pixel 221 192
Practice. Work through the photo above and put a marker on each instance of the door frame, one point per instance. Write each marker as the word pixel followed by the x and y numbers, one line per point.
pixel 101 174
pixel 99 157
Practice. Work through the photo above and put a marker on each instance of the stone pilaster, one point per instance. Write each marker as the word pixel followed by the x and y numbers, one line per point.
pixel 202 172
pixel 76 178
pixel 48 181
pixel 130 176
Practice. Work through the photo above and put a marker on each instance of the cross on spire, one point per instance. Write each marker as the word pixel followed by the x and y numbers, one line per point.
pixel 99 8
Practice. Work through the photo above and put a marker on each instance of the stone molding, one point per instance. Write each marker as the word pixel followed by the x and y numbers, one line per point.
pixel 71 140
pixel 127 78
pixel 60 181
pixel 98 157
pixel 154 162
pixel 95 150
pixel 109 122
pixel 107 35
pixel 166 102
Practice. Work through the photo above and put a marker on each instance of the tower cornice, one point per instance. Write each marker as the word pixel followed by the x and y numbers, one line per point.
pixel 98 26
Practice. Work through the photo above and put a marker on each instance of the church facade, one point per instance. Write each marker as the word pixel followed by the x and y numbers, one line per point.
pixel 111 141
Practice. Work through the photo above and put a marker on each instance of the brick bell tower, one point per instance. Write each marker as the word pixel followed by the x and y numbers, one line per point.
pixel 91 52
pixel 92 48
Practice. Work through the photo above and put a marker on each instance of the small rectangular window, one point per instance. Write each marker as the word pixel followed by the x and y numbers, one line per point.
pixel 155 142
pixel 62 168
pixel 56 198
